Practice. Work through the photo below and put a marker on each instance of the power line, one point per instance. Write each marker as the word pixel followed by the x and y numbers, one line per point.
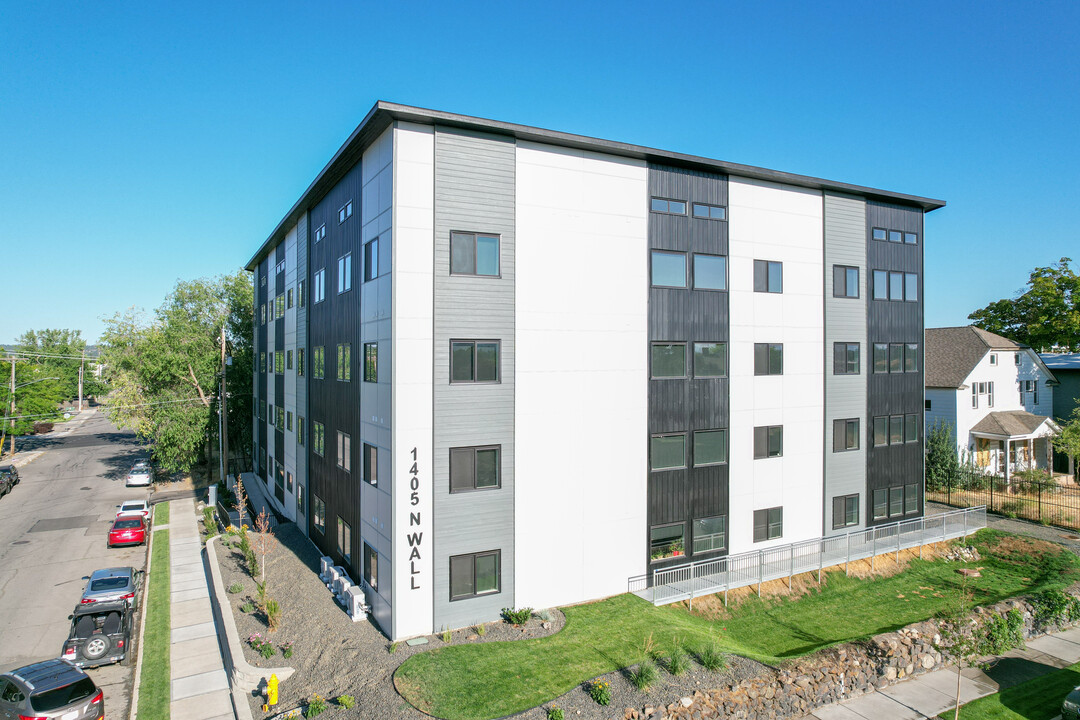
pixel 21 353
pixel 110 407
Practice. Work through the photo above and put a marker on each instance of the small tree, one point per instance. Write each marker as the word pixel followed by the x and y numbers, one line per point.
pixel 960 633
pixel 1068 441
pixel 241 503
pixel 942 460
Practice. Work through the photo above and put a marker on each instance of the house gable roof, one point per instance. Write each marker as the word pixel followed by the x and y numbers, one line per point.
pixel 953 352
pixel 1009 423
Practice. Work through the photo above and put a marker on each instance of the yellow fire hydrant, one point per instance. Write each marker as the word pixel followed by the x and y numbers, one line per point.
pixel 271 693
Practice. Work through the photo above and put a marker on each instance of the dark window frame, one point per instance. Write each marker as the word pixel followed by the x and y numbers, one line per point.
pixel 764 436
pixel 723 349
pixel 843 289
pixel 666 468
pixel 843 364
pixel 464 234
pixel 764 357
pixel 654 199
pixel 652 360
pixel 763 276
pixel 474 450
pixel 694 536
pixel 693 271
pixel 686 269
pixel 318 514
pixel 371 569
pixel 772 519
pixel 475 556
pixel 371 259
pixel 475 343
pixel 693 447
pixel 846 434
pixel 709 208
pixel 371 362
pixel 371 464
pixel 850 504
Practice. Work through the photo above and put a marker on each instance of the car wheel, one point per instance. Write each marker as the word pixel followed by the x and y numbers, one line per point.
pixel 96 647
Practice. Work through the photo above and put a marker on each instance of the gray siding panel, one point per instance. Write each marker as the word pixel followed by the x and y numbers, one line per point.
pixel 845 322
pixel 302 380
pixel 474 192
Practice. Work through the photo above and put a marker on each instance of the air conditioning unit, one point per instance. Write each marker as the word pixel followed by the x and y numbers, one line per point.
pixel 341 584
pixel 332 574
pixel 356 604
pixel 325 563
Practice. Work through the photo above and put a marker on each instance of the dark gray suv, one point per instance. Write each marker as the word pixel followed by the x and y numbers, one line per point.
pixel 50 689
pixel 9 478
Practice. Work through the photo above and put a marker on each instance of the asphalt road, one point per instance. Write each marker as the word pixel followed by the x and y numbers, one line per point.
pixel 53 527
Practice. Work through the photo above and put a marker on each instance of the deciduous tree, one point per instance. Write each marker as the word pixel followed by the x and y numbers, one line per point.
pixel 1045 316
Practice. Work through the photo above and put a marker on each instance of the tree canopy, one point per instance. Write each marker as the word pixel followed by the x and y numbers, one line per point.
pixel 164 370
pixel 1045 316
pixel 57 352
pixel 36 395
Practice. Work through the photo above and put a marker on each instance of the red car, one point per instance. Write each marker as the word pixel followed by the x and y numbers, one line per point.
pixel 127 530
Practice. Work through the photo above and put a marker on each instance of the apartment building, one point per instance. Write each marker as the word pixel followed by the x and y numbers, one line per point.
pixel 500 366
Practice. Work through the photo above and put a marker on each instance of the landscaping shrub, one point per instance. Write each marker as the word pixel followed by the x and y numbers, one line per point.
pixel 1002 633
pixel 481 630
pixel 247 608
pixel 555 713
pixel 287 650
pixel 235 588
pixel 209 522
pixel 346 701
pixel 273 614
pixel 711 658
pixel 447 636
pixel 677 662
pixel 42 427
pixel 1054 607
pixel 315 706
pixel 600 692
pixel 645 676
pixel 393 648
pixel 517 617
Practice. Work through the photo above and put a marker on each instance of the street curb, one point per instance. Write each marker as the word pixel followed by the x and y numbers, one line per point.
pixel 142 628
pixel 243 677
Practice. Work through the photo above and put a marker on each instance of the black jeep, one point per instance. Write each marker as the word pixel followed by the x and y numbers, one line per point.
pixel 100 634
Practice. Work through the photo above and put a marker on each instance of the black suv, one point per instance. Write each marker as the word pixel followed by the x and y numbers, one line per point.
pixel 100 634
pixel 9 478
pixel 50 689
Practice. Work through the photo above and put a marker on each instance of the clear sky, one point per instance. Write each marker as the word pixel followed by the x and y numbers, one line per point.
pixel 145 142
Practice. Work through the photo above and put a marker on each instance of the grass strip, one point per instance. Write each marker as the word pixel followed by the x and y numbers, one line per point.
pixel 154 683
pixel 475 682
pixel 1036 699
pixel 161 513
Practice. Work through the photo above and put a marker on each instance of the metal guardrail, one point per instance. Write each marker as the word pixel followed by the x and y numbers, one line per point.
pixel 709 577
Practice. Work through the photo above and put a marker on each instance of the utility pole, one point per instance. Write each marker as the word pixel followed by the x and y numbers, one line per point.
pixel 223 420
pixel 12 410
pixel 82 365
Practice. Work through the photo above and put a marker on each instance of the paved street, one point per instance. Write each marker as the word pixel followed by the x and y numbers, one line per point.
pixel 52 535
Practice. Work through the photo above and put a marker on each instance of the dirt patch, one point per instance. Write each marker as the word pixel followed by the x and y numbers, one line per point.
pixel 1021 550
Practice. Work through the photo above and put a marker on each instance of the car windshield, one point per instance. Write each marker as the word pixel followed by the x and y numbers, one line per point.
pixel 62 696
pixel 132 507
pixel 140 471
pixel 110 583
pixel 127 524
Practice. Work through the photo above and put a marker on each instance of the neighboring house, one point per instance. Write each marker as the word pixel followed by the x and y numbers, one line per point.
pixel 997 395
pixel 1066 368
pixel 499 366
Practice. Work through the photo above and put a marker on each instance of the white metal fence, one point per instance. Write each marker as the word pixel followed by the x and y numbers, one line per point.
pixel 709 577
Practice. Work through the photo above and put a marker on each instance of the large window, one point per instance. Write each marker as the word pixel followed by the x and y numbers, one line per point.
pixel 710 272
pixel 318 285
pixel 279 362
pixel 344 362
pixel 318 359
pixel 371 567
pixel 668 269
pixel 768 441
pixel 768 276
pixel 344 540
pixel 667 541
pixel 474 468
pixel 318 513
pixel 474 254
pixel 371 464
pixel 288 360
pixel 845 281
pixel 845 511
pixel 667 452
pixel 845 435
pixel 344 273
pixel 709 534
pixel 300 361
pixel 896 501
pixel 474 574
pixel 768 358
pixel 371 260
pixel 709 212
pixel 344 212
pixel 845 358
pixel 710 447
pixel 896 286
pixel 262 314
pixel 710 359
pixel 896 429
pixel 668 207
pixel 668 360
pixel 344 451
pixel 301 295
pixel 911 357
pixel 371 362
pixel 474 361
pixel 896 357
pixel 262 362
pixel 279 307
pixel 300 425
pixel 318 438
pixel 768 524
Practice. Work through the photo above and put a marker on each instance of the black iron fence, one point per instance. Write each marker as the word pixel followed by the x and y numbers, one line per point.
pixel 1031 496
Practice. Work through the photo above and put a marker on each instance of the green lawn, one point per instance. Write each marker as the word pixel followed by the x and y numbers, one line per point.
pixel 154 694
pixel 489 680
pixel 1036 699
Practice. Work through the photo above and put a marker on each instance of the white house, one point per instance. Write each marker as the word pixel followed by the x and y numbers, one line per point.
pixel 996 394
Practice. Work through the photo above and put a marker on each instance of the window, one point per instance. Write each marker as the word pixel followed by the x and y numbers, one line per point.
pixel 768 276
pixel 990 394
pixel 911 498
pixel 300 509
pixel 845 435
pixel 768 441
pixel 289 482
pixel 709 212
pixel 975 395
pixel 320 232
pixel 710 272
pixel 345 212
pixel 344 540
pixel 288 420
pixel 710 359
pixel 881 431
pixel 768 524
pixel 993 359
pixel 845 281
pixel 845 358
pixel 666 541
pixel 475 574
pixel 279 307
pixel 896 286
pixel 881 285
pixel 288 359
pixel 344 273
pixel 710 447
pixel 911 357
pixel 344 451
pixel 371 567
pixel 301 296
pixel 262 280
pixel 344 362
pixel 289 299
pixel 300 361
pixel 709 534
pixel 911 238
pixel 262 362
pixel 318 513
pixel 896 358
pixel 768 359
pixel 881 358
pixel 270 356
pixel 280 417
pixel 911 428
pixel 911 287
pixel 881 504
pixel 896 429
pixel 300 425
pixel 845 511
pixel 318 360
pixel 262 313
pixel 474 254
pixel 668 207
pixel 927 405
pixel 896 501
pixel 262 409
pixel 667 452
pixel 1034 392
pixel 1016 358
pixel 668 360
pixel 318 433
pixel 881 234
pixel 668 269
pixel 271 414
pixel 474 468
pixel 279 362
pixel 371 260
pixel 895 236
pixel 371 362
pixel 318 283
pixel 474 361
pixel 371 464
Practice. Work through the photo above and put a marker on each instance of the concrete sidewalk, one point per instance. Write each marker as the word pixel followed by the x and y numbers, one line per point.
pixel 926 696
pixel 199 686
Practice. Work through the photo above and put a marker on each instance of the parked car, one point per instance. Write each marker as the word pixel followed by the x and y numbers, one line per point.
pixel 9 478
pixel 50 689
pixel 1070 709
pixel 141 475
pixel 135 507
pixel 100 634
pixel 127 530
pixel 118 583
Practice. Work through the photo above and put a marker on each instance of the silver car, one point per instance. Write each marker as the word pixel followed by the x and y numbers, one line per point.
pixel 140 476
pixel 50 690
pixel 119 583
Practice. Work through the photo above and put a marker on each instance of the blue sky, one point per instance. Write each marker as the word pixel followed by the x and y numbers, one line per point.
pixel 145 142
